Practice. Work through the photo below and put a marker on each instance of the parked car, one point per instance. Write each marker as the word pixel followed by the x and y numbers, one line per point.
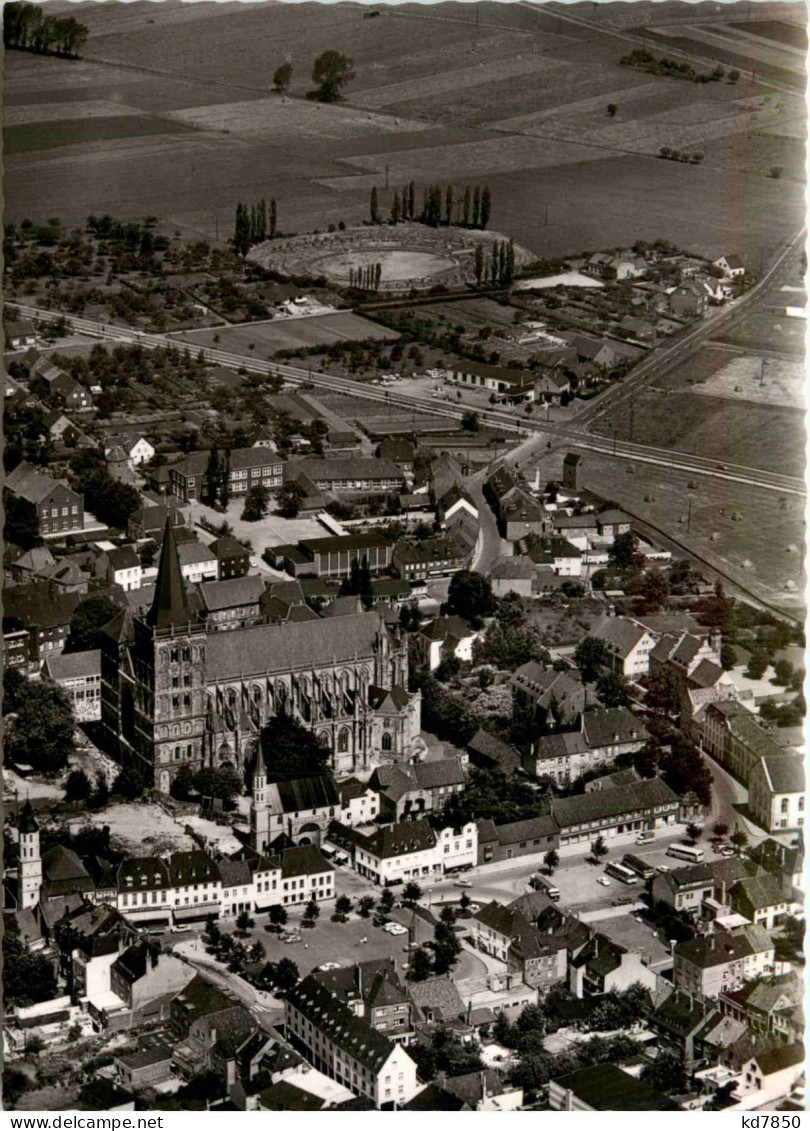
pixel 603 880
pixel 395 929
pixel 463 884
pixel 180 929
pixel 291 937
pixel 329 966
pixel 645 838
pixel 473 907
pixel 726 850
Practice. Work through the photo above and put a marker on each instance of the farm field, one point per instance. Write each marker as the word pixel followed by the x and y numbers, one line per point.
pixel 289 333
pixel 671 414
pixel 741 55
pixel 515 97
pixel 790 34
pixel 767 524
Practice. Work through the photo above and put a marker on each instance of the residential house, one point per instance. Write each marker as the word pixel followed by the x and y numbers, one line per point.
pixel 59 509
pixel 689 300
pixel 59 387
pixel 723 960
pixel 483 1091
pixel 628 645
pixel 145 1067
pixel 144 979
pixel 36 621
pixel 599 352
pixel 769 1076
pixel 454 502
pixel 373 991
pixel 489 752
pixel 603 736
pixel 765 900
pixel 776 791
pixel 232 557
pixel 20 334
pixel 780 859
pixel 353 475
pixel 731 265
pixel 346 1047
pixel 611 523
pixel 603 966
pixel 605 1087
pixel 556 555
pixel 521 515
pixel 715 734
pixel 505 933
pixel 213 1039
pixel 578 529
pixel 531 837
pixel 33 565
pixel 196 885
pixel 688 889
pixel 79 676
pixel 552 387
pixel 642 806
pixel 399 451
pixel 437 1004
pixel 407 792
pixel 769 1006
pixel 359 802
pixel 390 591
pixel 197 562
pixel 233 603
pixel 637 329
pixel 555 699
pixel 443 638
pixel 247 467
pixel 122 566
pixel 512 575
pixel 677 1020
pixel 144 890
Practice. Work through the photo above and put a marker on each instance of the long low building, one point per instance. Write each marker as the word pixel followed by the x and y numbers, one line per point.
pixel 410 850
pixel 355 474
pixel 333 556
pixel 640 807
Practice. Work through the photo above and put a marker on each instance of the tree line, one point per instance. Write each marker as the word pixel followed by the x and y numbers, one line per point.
pixel 366 278
pixel 253 224
pixel 440 208
pixel 27 28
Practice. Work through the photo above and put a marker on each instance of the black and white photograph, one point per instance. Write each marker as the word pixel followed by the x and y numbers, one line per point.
pixel 404 559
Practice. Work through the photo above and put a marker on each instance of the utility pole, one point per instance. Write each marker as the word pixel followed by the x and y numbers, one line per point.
pixel 689 517
pixel 632 406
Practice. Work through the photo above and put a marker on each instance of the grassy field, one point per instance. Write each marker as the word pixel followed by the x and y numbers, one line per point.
pixel 289 333
pixel 670 414
pixel 752 550
pixel 512 95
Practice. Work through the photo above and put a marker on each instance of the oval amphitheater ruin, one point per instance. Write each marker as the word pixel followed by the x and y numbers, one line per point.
pixel 410 256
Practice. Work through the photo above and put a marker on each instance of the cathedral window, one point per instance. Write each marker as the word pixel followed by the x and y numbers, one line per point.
pixel 175 681
pixel 186 654
pixel 177 753
pixel 343 741
pixel 175 655
pixel 387 742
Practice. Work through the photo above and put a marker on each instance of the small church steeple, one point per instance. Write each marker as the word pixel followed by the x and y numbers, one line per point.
pixel 29 870
pixel 170 606
pixel 259 806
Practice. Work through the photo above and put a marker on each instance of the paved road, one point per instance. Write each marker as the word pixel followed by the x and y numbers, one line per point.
pixel 490 545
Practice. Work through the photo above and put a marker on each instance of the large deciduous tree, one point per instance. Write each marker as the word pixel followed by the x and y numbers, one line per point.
pixel 330 72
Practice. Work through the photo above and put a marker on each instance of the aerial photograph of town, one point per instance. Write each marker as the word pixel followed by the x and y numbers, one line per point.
pixel 404 557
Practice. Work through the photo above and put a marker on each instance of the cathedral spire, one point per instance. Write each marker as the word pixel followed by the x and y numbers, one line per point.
pixel 170 605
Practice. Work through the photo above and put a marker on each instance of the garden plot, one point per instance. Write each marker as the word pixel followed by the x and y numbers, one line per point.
pixel 287 119
pixel 763 380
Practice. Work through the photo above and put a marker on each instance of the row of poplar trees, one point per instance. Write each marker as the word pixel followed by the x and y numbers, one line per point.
pixel 254 224
pixel 499 266
pixel 472 210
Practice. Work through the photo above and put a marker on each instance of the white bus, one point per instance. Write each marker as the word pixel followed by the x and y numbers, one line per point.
pixel 619 872
pixel 686 852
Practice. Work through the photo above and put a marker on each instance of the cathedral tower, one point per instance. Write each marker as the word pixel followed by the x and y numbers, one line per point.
pixel 169 668
pixel 29 871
